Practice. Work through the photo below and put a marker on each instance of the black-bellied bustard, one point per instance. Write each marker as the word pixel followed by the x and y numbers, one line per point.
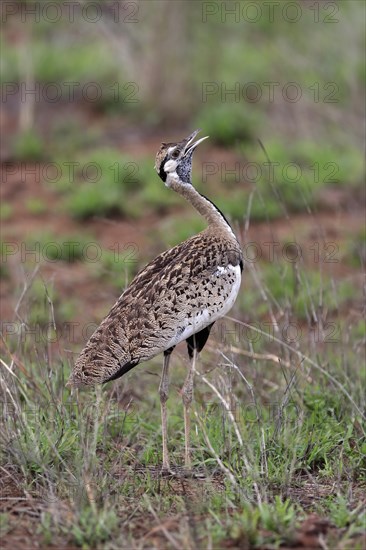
pixel 178 296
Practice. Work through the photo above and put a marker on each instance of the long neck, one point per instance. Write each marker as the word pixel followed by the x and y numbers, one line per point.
pixel 205 207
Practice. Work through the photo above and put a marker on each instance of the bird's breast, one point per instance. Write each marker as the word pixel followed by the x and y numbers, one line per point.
pixel 207 304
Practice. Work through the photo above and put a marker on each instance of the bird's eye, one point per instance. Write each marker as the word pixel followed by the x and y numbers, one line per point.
pixel 175 154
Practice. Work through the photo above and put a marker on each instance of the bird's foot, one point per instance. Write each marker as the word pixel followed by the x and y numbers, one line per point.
pixel 181 473
pixel 188 472
pixel 167 471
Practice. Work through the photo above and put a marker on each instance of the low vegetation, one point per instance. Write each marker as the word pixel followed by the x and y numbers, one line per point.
pixel 274 461
pixel 279 440
pixel 278 430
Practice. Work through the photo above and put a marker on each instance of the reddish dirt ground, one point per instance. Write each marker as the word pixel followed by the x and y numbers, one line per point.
pixel 327 228
pixel 332 224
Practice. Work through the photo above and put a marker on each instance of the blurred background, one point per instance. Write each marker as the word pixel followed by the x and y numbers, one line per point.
pixel 89 91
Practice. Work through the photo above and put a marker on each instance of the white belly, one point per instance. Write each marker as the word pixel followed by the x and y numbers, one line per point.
pixel 211 313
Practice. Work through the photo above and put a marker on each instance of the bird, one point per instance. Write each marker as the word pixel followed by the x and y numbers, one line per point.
pixel 178 296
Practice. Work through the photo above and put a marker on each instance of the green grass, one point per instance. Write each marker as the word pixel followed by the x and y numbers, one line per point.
pixel 117 268
pixel 104 183
pixel 41 314
pixel 228 124
pixel 68 248
pixel 300 292
pixel 342 515
pixel 291 180
pixel 107 183
pixel 291 440
pixel 95 200
pixel 61 60
pixel 4 272
pixel 280 518
pixel 84 451
pixel 305 291
pixel 29 146
pixel 354 249
pixel 47 310
pixel 154 197
pixel 172 231
pixel 315 164
pixel 36 206
pixel 6 211
pixel 90 529
pixel 68 137
pixel 286 443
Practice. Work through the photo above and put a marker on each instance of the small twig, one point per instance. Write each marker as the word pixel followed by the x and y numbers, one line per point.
pixel 26 287
pixel 253 355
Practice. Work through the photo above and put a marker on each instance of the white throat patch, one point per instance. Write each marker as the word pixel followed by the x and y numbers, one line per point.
pixel 170 166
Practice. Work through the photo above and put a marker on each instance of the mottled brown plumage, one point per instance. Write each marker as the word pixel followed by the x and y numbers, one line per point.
pixel 176 297
pixel 147 316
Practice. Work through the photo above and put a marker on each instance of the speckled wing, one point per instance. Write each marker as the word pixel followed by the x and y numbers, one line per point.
pixel 176 295
pixel 181 292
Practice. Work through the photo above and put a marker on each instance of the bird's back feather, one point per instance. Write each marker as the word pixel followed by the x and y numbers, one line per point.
pixel 179 293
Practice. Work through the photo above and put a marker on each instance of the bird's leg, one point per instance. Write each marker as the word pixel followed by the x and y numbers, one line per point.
pixel 163 391
pixel 187 396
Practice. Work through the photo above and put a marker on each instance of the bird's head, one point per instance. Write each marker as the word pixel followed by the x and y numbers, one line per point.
pixel 176 158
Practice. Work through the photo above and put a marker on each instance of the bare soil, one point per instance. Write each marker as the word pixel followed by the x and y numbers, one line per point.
pixel 333 224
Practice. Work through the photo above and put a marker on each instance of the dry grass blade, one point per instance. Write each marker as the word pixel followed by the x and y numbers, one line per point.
pixel 214 453
pixel 306 359
pixel 257 356
pixel 237 433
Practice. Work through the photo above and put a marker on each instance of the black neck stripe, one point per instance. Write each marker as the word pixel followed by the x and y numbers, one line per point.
pixel 162 172
pixel 219 211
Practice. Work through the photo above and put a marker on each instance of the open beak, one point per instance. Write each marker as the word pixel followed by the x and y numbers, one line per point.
pixel 190 145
